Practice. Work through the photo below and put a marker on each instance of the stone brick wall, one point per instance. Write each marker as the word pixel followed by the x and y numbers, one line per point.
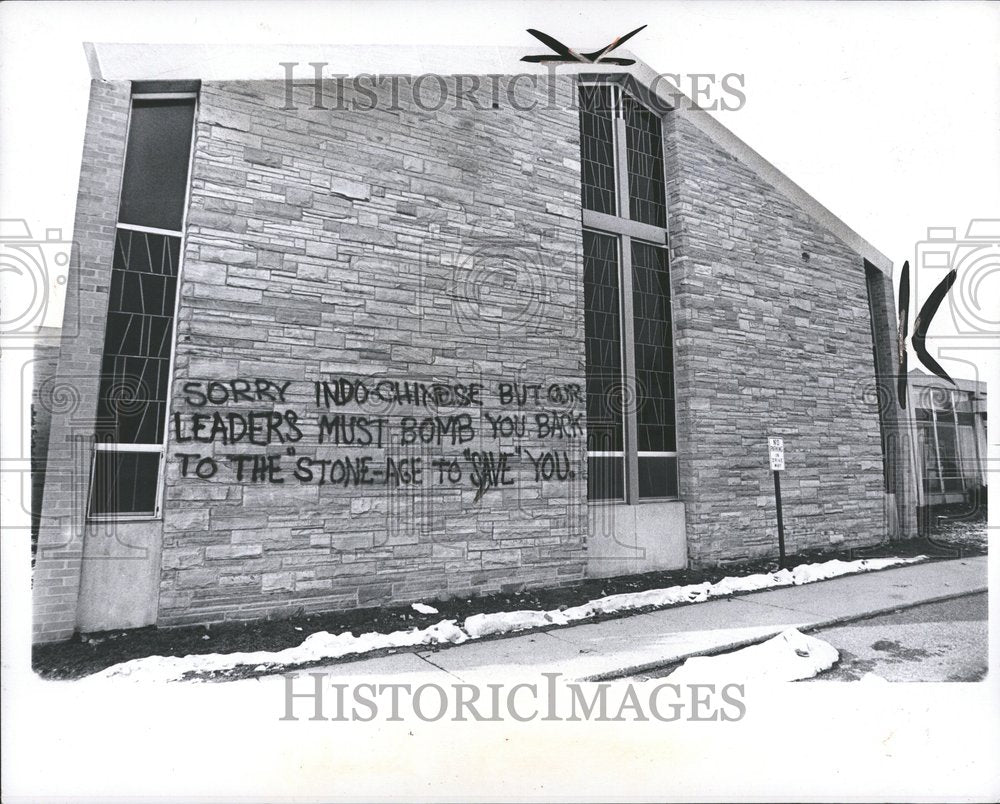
pixel 56 578
pixel 773 338
pixel 44 366
pixel 406 244
pixel 387 244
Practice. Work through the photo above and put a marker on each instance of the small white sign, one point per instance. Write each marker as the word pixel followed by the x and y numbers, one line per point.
pixel 776 449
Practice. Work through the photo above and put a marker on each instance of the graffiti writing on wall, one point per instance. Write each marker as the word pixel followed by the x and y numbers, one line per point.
pixel 354 433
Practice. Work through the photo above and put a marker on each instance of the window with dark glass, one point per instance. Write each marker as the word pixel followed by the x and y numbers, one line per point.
pixel 154 183
pixel 124 483
pixel 644 148
pixel 950 451
pixel 135 370
pixel 632 439
pixel 656 435
pixel 602 326
pixel 134 384
pixel 597 147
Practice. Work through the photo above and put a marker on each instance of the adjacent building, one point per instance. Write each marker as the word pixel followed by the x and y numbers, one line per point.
pixel 950 444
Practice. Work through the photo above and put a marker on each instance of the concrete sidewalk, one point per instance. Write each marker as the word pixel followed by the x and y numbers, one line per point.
pixel 629 645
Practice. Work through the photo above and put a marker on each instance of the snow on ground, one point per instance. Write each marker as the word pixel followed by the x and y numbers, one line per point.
pixel 968 531
pixel 323 645
pixel 506 622
pixel 790 656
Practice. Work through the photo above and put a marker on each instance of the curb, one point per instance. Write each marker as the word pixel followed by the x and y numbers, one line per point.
pixel 615 675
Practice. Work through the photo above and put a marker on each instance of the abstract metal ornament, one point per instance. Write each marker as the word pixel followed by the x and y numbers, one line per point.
pixel 903 315
pixel 570 56
pixel 923 322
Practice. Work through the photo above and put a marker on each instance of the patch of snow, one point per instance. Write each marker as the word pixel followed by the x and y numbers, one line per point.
pixel 949 531
pixel 323 645
pixel 696 593
pixel 505 622
pixel 315 647
pixel 612 604
pixel 790 656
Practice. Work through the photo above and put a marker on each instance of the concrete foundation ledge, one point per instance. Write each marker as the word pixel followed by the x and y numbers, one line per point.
pixel 629 539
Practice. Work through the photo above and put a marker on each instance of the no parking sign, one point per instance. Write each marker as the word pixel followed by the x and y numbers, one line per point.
pixel 776 448
pixel 776 453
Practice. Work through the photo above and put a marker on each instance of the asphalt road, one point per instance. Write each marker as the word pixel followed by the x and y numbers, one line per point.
pixel 931 642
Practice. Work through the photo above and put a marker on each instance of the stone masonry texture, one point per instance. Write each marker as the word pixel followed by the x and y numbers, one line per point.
pixel 772 338
pixel 43 401
pixel 405 244
pixel 396 244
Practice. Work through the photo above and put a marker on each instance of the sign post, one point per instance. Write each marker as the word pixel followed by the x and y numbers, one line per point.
pixel 776 450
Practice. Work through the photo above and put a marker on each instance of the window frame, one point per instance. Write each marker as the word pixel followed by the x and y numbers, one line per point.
pixel 103 445
pixel 625 230
pixel 936 422
pixel 622 454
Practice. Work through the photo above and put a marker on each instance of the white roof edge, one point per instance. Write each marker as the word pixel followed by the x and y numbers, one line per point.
pixel 725 138
pixel 921 378
pixel 136 61
pixel 93 62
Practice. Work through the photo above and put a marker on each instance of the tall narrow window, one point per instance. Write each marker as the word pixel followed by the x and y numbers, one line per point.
pixel 644 146
pixel 134 388
pixel 602 303
pixel 597 147
pixel 632 439
pixel 656 434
